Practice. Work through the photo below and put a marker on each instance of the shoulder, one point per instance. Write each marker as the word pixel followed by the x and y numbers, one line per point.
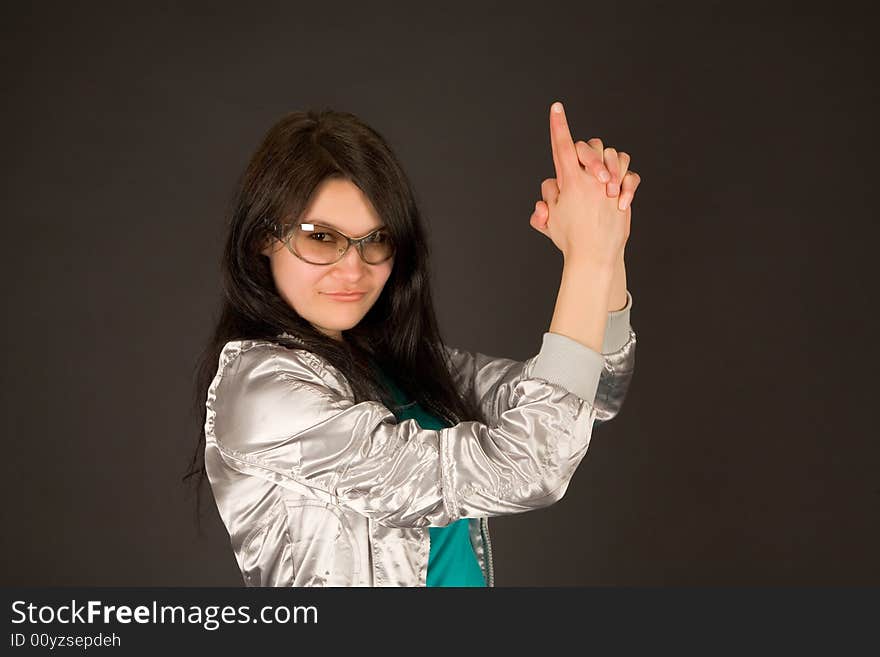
pixel 265 389
pixel 244 359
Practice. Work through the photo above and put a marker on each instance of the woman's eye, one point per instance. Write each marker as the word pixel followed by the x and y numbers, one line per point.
pixel 319 239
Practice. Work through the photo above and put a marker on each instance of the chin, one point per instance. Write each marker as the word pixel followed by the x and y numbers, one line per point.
pixel 337 325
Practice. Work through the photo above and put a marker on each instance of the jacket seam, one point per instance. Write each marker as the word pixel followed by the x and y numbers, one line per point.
pixel 543 467
pixel 446 488
pixel 254 533
pixel 242 457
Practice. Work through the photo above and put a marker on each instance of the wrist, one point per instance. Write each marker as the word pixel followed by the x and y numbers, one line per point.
pixel 590 264
pixel 618 299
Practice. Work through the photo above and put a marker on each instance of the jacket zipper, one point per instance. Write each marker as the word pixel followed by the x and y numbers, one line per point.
pixel 484 530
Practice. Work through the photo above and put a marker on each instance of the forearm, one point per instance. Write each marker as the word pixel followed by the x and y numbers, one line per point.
pixel 582 304
pixel 618 286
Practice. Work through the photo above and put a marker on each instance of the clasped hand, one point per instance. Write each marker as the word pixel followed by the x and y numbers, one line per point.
pixel 585 210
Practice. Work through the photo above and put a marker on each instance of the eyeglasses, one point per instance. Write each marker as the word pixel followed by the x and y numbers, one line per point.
pixel 322 245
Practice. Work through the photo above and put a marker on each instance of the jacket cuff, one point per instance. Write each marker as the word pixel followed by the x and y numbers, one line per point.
pixel 569 363
pixel 617 328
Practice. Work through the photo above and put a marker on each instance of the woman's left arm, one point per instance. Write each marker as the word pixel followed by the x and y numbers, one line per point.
pixel 612 168
pixel 490 381
pixel 618 299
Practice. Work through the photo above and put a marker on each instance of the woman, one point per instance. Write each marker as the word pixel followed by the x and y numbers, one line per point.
pixel 345 444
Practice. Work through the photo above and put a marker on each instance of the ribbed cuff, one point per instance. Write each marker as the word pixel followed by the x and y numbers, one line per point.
pixel 617 328
pixel 570 364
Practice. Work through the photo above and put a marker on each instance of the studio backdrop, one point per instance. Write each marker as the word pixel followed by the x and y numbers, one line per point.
pixel 745 451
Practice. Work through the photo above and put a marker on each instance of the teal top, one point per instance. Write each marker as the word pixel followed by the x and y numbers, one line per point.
pixel 452 560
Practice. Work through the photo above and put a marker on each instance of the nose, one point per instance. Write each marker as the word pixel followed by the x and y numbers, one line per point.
pixel 352 263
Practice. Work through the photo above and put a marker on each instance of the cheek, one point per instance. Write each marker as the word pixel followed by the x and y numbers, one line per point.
pixel 296 282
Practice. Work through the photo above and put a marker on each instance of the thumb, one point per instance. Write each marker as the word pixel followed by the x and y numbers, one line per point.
pixel 540 217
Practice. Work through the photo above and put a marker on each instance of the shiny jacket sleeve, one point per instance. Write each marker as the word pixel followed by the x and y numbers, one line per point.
pixel 270 415
pixel 489 381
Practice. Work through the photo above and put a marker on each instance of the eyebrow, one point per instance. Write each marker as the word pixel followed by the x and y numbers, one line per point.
pixel 324 222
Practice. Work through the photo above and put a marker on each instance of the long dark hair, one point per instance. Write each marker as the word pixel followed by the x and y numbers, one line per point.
pixel 400 332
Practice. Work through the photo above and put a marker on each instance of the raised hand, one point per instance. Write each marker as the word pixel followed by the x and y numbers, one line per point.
pixel 578 212
pixel 598 161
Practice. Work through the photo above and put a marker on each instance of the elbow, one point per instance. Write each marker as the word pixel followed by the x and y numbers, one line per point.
pixel 559 491
pixel 554 493
pixel 551 490
pixel 554 480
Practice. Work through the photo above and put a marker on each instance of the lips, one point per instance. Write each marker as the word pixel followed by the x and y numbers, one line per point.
pixel 339 296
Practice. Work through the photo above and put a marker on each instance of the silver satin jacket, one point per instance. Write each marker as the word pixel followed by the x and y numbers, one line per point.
pixel 316 490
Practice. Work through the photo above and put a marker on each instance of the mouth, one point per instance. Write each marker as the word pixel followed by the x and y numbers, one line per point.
pixel 338 296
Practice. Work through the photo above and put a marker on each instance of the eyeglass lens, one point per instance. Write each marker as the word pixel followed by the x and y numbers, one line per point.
pixel 323 245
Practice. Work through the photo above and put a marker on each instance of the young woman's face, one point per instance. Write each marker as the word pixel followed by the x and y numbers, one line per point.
pixel 307 288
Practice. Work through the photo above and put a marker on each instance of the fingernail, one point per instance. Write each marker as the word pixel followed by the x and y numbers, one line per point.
pixel 557 107
pixel 613 189
pixel 624 205
pixel 604 176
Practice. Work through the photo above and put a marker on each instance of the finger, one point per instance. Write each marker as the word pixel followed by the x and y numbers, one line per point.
pixel 623 160
pixel 613 164
pixel 622 166
pixel 543 212
pixel 549 191
pixel 591 158
pixel 539 217
pixel 628 189
pixel 564 154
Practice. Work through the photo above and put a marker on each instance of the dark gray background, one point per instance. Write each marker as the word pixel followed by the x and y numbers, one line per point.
pixel 746 451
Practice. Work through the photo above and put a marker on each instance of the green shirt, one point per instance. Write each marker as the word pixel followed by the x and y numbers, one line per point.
pixel 452 560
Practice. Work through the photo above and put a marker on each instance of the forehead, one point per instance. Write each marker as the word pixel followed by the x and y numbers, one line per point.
pixel 341 204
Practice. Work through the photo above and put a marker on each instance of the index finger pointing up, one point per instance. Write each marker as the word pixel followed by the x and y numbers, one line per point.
pixel 565 157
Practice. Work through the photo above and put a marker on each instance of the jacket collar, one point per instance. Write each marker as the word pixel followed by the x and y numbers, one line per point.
pixel 287 335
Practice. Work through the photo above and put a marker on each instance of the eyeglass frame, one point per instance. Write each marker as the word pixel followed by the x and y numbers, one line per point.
pixel 285 239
